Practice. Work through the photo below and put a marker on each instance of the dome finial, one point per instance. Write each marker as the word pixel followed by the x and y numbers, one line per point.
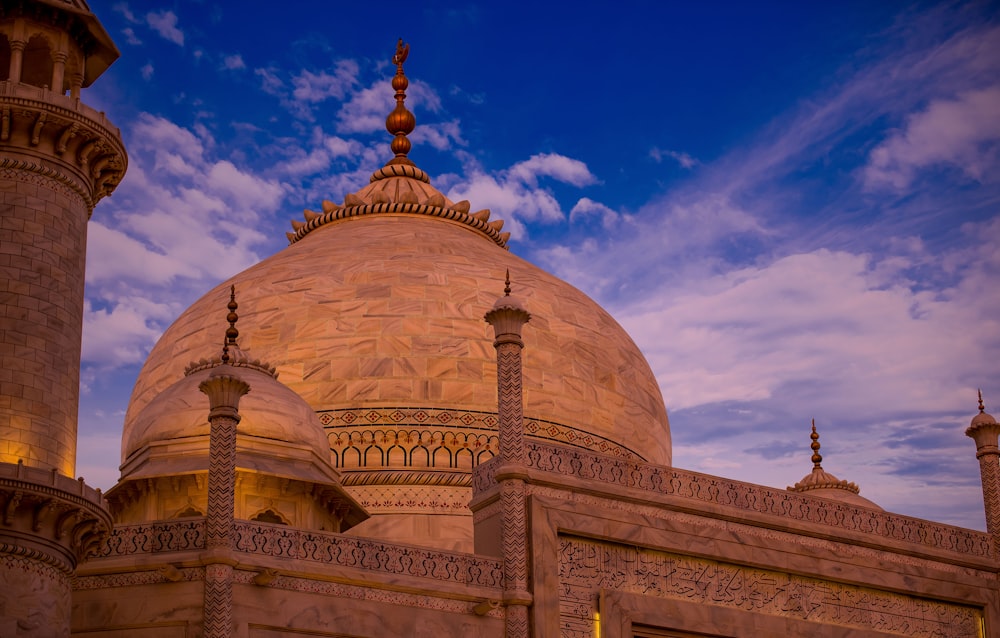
pixel 982 408
pixel 400 122
pixel 817 458
pixel 231 332
pixel 506 286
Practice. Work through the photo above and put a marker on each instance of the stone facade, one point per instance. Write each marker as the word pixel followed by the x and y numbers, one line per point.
pixel 362 463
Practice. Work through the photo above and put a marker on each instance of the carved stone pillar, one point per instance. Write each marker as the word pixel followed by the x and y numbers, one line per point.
pixel 59 70
pixel 985 431
pixel 224 390
pixel 16 60
pixel 507 318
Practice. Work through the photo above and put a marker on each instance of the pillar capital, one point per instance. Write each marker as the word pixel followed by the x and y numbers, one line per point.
pixel 224 389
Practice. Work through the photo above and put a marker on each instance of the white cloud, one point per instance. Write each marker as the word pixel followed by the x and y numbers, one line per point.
pixel 131 37
pixel 270 83
pixel 147 71
pixel 233 62
pixel 962 132
pixel 559 167
pixel 823 319
pixel 123 8
pixel 366 111
pixel 165 24
pixel 439 135
pixel 312 87
pixel 514 194
pixel 685 160
pixel 124 333
pixel 587 207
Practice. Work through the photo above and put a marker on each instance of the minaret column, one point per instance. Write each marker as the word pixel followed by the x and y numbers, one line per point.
pixel 985 431
pixel 57 159
pixel 507 318
pixel 224 389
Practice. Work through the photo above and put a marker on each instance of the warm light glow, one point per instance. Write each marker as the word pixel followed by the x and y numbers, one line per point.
pixel 597 624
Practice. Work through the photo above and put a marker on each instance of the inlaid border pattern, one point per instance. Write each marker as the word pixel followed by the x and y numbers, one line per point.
pixel 359 553
pixel 434 437
pixel 151 538
pixel 586 567
pixel 756 498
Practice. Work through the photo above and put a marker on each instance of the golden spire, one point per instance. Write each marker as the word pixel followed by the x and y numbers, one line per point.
pixel 400 122
pixel 817 458
pixel 231 332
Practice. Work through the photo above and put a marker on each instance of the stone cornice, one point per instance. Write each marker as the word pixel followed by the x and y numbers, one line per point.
pixel 49 133
pixel 736 500
pixel 49 517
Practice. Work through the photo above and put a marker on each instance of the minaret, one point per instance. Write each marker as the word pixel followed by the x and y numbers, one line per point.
pixel 507 317
pixel 224 388
pixel 58 158
pixel 985 431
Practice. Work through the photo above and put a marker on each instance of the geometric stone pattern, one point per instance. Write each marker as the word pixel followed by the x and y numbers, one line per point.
pixel 391 558
pixel 363 437
pixel 747 497
pixel 587 566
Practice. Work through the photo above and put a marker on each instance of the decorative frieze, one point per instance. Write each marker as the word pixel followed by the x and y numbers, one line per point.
pixel 586 567
pixel 747 497
pixel 358 553
pixel 363 438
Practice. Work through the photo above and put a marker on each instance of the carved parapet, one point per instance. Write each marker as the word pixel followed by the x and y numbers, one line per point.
pixel 48 133
pixel 50 518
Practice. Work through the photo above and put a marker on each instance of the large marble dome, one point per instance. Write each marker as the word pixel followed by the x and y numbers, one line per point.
pixel 374 316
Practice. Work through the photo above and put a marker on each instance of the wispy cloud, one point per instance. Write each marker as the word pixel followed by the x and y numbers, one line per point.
pixel 233 62
pixel 961 132
pixel 685 160
pixel 165 24
pixel 515 195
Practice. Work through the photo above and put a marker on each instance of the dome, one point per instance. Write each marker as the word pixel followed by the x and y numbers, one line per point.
pixel 271 413
pixel 374 315
pixel 380 304
pixel 821 483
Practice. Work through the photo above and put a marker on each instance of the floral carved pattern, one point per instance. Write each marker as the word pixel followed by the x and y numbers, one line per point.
pixel 151 538
pixel 359 553
pixel 586 567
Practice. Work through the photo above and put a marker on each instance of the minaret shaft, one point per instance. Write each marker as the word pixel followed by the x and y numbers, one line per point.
pixel 58 157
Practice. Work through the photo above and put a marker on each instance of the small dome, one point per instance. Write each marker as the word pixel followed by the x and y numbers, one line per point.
pixel 983 418
pixel 270 411
pixel 821 483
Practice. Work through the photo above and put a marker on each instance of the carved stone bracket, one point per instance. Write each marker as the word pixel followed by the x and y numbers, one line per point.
pixel 49 517
pixel 60 138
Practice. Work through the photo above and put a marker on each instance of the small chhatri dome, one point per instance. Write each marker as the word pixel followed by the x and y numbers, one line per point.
pixel 819 482
pixel 984 417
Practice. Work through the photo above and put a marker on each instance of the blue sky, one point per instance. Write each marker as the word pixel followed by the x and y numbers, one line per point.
pixel 793 209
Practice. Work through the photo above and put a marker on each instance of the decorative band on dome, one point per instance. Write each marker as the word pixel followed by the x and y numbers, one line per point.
pixel 400 170
pixel 478 221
